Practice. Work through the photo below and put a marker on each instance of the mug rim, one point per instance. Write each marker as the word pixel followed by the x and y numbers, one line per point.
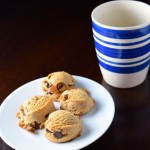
pixel 146 23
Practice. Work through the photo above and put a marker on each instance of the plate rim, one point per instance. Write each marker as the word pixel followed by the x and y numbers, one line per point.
pixel 2 106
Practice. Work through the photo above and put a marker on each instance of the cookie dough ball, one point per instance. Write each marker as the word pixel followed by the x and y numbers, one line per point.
pixel 77 101
pixel 62 126
pixel 34 112
pixel 56 83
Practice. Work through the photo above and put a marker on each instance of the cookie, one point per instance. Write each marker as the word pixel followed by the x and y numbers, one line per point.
pixel 56 83
pixel 62 126
pixel 34 112
pixel 77 101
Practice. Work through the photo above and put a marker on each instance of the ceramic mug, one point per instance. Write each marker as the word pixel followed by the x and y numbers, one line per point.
pixel 121 31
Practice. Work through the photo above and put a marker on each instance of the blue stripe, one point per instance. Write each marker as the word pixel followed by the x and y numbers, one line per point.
pixel 124 70
pixel 125 53
pixel 122 44
pixel 121 34
pixel 116 63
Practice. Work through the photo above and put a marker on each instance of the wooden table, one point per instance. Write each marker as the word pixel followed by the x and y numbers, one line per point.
pixel 39 38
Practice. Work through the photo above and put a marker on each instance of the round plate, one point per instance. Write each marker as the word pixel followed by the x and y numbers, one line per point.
pixel 95 123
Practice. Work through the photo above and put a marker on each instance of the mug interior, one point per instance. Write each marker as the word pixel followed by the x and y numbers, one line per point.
pixel 122 13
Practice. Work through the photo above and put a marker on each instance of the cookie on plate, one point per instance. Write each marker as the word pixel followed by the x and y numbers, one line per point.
pixel 62 126
pixel 77 101
pixel 56 83
pixel 34 112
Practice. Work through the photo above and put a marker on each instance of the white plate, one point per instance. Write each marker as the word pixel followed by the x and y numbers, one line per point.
pixel 95 123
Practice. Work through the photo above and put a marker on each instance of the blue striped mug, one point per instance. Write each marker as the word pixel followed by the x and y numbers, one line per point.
pixel 121 32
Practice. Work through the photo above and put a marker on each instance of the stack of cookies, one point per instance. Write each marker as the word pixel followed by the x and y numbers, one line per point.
pixel 60 125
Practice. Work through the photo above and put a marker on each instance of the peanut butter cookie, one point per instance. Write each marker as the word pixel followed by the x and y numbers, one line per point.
pixel 34 112
pixel 77 101
pixel 56 83
pixel 62 126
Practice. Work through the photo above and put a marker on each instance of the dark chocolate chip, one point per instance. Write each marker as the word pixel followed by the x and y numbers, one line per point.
pixel 61 87
pixel 65 96
pixel 48 92
pixel 36 125
pixel 70 85
pixel 47 84
pixel 58 135
pixel 61 107
pixel 47 130
pixel 46 116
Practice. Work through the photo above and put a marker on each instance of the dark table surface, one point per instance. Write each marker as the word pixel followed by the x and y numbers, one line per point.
pixel 37 38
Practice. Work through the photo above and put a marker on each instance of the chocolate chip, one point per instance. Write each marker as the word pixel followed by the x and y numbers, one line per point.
pixel 36 125
pixel 61 87
pixel 70 85
pixel 47 130
pixel 61 107
pixel 58 135
pixel 48 92
pixel 46 116
pixel 47 84
pixel 65 96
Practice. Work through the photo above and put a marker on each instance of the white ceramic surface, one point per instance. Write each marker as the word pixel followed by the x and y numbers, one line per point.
pixel 95 123
pixel 124 80
pixel 122 15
